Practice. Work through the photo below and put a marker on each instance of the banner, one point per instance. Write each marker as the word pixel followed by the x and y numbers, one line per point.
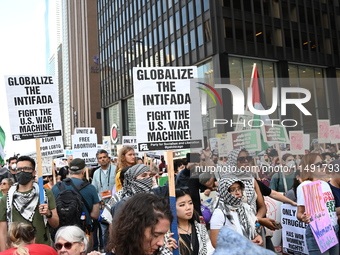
pixel 296 142
pixel 323 131
pixel 167 106
pixel 320 222
pixel 274 133
pixel 33 107
pixel 293 231
pixel 249 139
pixel 51 146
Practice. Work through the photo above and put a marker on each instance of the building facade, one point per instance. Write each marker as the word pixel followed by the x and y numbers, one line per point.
pixel 294 44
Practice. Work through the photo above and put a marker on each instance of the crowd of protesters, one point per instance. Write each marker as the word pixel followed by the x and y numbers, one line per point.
pixel 126 210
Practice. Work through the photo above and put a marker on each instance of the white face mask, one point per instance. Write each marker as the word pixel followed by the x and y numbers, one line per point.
pixel 298 161
pixel 290 164
pixel 14 166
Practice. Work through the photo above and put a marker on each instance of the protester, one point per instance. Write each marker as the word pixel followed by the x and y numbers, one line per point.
pixel 233 213
pixel 126 157
pixel 104 181
pixel 21 240
pixel 12 161
pixel 283 180
pixel 49 183
pixel 193 236
pixel 71 240
pixel 140 226
pixel 313 169
pixel 21 204
pixel 5 184
pixel 137 179
pixel 63 171
pixel 291 194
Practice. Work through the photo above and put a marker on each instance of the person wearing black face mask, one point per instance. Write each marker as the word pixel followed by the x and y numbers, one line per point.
pixel 21 204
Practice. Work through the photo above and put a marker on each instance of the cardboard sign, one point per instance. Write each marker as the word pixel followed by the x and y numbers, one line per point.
pixel 51 146
pixel 320 223
pixel 293 231
pixel 296 142
pixel 84 130
pixel 274 133
pixel 130 141
pixel 323 131
pixel 89 155
pixel 167 106
pixel 33 107
pixel 249 139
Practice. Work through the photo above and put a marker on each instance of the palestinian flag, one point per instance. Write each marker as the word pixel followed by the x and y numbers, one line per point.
pixel 259 102
pixel 2 146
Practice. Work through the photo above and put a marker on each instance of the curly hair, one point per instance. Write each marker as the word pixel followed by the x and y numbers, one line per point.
pixel 19 235
pixel 121 158
pixel 137 214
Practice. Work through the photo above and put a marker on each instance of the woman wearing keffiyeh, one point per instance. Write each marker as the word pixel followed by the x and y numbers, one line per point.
pixel 238 167
pixel 136 180
pixel 233 213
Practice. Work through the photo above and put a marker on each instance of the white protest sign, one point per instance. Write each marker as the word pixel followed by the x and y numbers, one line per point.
pixel 130 141
pixel 222 145
pixel 51 146
pixel 214 144
pixel 274 212
pixel 33 107
pixel 293 231
pixel 46 163
pixel 84 130
pixel 107 144
pixel 88 155
pixel 86 141
pixel 167 106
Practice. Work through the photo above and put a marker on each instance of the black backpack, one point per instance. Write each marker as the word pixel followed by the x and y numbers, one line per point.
pixel 69 204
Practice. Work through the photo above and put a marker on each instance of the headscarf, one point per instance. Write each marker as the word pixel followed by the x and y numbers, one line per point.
pixel 232 243
pixel 232 171
pixel 131 187
pixel 229 202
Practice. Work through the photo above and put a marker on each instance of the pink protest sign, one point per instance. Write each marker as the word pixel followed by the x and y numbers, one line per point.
pixel 334 134
pixel 320 223
pixel 323 131
pixel 296 142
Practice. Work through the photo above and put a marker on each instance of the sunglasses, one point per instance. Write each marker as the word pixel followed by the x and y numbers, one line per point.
pixel 3 183
pixel 67 245
pixel 243 159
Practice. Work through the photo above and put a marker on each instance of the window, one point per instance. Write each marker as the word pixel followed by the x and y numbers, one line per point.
pixel 184 15
pixel 191 11
pixel 192 40
pixel 179 47
pixel 177 21
pixel 185 44
pixel 171 25
pixel 200 35
pixel 198 8
pixel 165 28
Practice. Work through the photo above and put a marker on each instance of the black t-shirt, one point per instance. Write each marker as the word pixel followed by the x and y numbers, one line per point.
pixel 264 189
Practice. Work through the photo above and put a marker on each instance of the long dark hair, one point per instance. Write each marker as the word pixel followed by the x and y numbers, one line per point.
pixel 139 212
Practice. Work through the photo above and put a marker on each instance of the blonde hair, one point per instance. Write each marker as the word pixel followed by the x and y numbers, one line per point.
pixel 306 162
pixel 19 235
pixel 121 158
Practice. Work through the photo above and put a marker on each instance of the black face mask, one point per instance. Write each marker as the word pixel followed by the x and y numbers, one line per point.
pixel 24 178
pixel 215 160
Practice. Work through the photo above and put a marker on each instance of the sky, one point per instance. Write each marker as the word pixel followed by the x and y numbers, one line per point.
pixel 22 49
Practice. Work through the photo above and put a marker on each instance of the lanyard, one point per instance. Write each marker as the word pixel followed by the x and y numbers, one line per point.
pixel 108 179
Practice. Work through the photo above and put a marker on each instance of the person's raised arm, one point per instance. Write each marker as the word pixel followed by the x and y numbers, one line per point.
pixel 279 197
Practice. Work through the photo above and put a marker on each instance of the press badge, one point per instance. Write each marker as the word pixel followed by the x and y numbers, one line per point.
pixel 106 194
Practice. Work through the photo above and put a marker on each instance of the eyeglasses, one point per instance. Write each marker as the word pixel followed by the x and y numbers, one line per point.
pixel 25 169
pixel 235 190
pixel 3 183
pixel 202 159
pixel 243 159
pixel 67 245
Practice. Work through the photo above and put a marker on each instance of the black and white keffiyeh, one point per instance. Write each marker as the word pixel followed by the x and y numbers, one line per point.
pixel 229 202
pixel 246 176
pixel 131 186
pixel 24 203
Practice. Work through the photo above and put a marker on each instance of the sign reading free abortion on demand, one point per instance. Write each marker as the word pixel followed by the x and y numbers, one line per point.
pixel 33 107
pixel 167 108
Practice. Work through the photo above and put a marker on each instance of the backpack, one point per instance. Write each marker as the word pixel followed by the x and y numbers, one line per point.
pixel 70 203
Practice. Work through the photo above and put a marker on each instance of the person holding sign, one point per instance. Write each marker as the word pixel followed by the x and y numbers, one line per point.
pixel 233 213
pixel 314 169
pixel 193 236
pixel 21 204
pixel 283 180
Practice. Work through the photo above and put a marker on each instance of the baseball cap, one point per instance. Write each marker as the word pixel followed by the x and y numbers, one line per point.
pixel 77 164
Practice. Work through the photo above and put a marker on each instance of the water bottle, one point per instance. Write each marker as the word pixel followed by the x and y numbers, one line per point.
pixel 258 228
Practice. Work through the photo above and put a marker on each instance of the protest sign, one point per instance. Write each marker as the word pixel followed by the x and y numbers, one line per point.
pixel 222 145
pixel 84 130
pixel 107 144
pixel 320 223
pixel 214 144
pixel 51 146
pixel 130 141
pixel 242 121
pixel 306 141
pixel 249 139
pixel 296 142
pixel 167 106
pixel 274 133
pixel 293 231
pixel 323 131
pixel 334 134
pixel 33 107
pixel 274 212
pixel 180 154
pixel 88 155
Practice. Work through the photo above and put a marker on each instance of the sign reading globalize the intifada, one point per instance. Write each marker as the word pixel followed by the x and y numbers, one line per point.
pixel 167 108
pixel 33 107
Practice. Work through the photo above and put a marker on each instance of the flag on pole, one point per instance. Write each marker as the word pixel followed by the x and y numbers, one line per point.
pixel 2 146
pixel 259 103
